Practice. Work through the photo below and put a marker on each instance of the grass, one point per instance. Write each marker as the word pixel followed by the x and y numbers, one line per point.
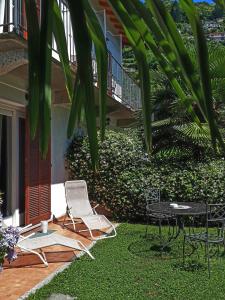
pixel 131 267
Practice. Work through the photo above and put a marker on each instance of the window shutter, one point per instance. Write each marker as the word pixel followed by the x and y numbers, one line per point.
pixel 37 181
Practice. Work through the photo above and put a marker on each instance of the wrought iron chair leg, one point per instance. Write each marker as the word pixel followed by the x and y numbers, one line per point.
pixel 147 225
pixel 205 252
pixel 184 241
pixel 160 231
pixel 218 250
pixel 169 232
pixel 160 237
pixel 208 262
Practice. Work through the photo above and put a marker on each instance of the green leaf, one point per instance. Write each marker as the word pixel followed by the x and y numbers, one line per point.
pixel 221 3
pixel 140 52
pixel 144 26
pixel 45 78
pixel 60 38
pixel 101 53
pixel 174 38
pixel 203 64
pixel 77 101
pixel 84 71
pixel 34 65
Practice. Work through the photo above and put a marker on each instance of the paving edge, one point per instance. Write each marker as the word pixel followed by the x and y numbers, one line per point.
pixel 57 271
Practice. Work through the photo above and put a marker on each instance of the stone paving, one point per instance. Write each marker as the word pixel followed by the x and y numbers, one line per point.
pixel 27 271
pixel 61 297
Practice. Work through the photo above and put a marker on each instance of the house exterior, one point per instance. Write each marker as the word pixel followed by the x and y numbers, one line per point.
pixel 33 188
pixel 217 36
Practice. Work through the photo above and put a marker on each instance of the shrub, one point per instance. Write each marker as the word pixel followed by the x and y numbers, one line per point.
pixel 125 173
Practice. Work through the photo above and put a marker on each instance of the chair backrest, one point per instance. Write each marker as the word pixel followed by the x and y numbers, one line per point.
pixel 216 212
pixel 152 195
pixel 77 198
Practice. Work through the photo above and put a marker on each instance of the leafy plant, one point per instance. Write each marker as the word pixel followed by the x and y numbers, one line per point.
pixel 146 27
pixel 125 172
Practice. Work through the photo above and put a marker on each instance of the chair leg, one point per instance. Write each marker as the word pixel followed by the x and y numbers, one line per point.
pixel 146 229
pixel 208 262
pixel 42 258
pixel 184 241
pixel 64 222
pixel 160 236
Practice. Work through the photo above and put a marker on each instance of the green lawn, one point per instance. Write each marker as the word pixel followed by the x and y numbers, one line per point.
pixel 129 267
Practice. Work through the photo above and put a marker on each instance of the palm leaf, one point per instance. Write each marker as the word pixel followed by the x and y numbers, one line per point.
pixel 34 65
pixel 101 53
pixel 140 52
pixel 174 152
pixel 77 101
pixel 60 38
pixel 203 64
pixel 221 3
pixel 45 78
pixel 193 133
pixel 173 36
pixel 164 64
pixel 84 71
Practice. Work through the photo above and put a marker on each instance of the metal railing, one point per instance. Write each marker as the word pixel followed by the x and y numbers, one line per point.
pixel 120 85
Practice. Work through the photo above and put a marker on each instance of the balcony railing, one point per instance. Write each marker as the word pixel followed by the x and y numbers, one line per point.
pixel 120 85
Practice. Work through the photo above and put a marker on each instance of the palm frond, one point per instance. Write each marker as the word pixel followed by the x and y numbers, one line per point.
pixel 45 75
pixel 174 152
pixel 140 51
pixel 60 38
pixel 83 46
pixel 34 65
pixel 101 53
pixel 203 64
pixel 192 132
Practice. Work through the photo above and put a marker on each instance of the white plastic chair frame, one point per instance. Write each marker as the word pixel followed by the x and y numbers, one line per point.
pixel 24 249
pixel 61 241
pixel 80 211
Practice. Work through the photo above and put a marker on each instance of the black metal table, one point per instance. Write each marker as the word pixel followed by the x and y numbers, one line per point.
pixel 165 208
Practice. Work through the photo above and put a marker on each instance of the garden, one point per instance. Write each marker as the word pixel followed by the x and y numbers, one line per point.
pixel 171 157
pixel 127 268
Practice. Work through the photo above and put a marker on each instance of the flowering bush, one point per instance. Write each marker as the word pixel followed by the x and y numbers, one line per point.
pixel 8 239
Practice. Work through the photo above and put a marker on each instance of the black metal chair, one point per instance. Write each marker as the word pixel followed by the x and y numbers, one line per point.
pixel 152 195
pixel 213 233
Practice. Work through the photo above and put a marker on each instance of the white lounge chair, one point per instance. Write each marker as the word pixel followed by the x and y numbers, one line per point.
pixel 30 243
pixel 78 207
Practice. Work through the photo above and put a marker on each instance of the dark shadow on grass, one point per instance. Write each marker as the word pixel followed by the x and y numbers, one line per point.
pixel 150 248
pixel 190 266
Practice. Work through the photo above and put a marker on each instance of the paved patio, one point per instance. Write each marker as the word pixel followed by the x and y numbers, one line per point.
pixel 27 271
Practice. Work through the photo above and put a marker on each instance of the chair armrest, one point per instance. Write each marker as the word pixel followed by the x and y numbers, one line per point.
pixel 25 227
pixel 22 238
pixel 94 208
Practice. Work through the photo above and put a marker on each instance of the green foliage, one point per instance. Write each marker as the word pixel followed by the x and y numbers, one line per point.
pixel 125 173
pixel 125 268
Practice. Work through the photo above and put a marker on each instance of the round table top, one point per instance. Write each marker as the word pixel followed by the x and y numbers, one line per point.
pixel 165 208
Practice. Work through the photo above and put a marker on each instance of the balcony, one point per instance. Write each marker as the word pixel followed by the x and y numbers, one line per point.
pixel 121 86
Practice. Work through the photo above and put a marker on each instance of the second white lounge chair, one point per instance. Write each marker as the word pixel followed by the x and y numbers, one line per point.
pixel 78 207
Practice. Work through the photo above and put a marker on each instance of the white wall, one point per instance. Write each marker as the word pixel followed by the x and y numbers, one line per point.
pixel 58 148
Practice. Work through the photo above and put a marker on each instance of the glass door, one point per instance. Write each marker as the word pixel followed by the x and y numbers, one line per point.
pixel 5 163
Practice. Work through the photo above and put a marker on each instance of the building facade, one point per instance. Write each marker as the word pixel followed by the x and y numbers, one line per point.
pixel 33 189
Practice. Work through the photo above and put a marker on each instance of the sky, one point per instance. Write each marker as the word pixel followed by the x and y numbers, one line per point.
pixel 209 1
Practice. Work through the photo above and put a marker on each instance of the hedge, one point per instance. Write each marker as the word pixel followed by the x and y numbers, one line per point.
pixel 125 173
